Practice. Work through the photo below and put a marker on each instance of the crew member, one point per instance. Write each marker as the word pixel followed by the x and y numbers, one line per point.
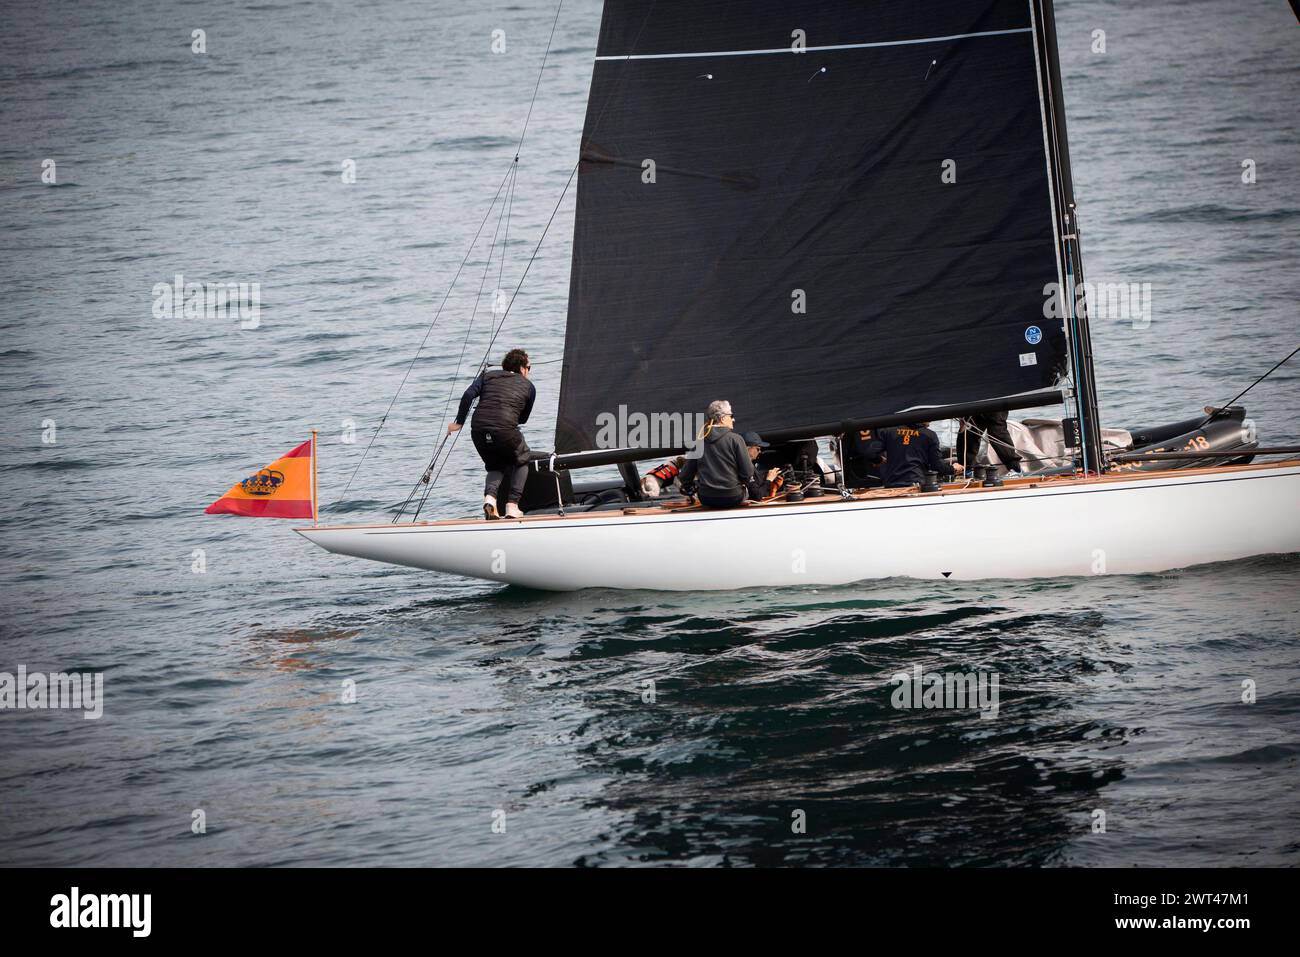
pixel 909 452
pixel 723 473
pixel 755 445
pixel 505 400
pixel 994 424
pixel 860 456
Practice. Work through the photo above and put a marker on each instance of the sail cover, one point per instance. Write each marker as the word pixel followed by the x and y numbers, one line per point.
pixel 818 211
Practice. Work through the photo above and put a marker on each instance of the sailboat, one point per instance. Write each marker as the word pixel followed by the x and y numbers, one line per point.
pixel 841 217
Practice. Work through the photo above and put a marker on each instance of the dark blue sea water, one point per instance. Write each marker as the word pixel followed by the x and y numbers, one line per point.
pixel 223 688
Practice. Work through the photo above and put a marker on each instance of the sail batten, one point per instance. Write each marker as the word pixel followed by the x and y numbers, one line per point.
pixel 821 236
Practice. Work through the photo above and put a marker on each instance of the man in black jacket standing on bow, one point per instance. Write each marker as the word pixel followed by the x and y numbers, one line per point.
pixel 505 400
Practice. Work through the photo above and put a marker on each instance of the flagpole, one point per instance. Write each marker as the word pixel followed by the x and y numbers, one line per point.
pixel 314 494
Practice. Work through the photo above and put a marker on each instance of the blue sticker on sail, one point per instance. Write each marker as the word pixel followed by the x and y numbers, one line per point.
pixel 1033 335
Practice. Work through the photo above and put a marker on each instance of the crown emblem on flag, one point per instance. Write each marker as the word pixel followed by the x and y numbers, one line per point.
pixel 284 489
pixel 264 482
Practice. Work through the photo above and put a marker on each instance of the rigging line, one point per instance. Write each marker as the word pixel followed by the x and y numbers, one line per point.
pixel 508 206
pixel 434 481
pixel 505 238
pixel 551 219
pixel 488 351
pixel 451 390
pixel 507 177
pixel 427 479
pixel 441 465
pixel 469 328
pixel 424 497
pixel 406 504
pixel 529 265
pixel 573 172
pixel 984 434
pixel 427 333
pixel 415 487
pixel 1251 386
pixel 538 84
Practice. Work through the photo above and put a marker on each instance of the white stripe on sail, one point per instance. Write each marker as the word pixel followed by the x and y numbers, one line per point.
pixel 837 46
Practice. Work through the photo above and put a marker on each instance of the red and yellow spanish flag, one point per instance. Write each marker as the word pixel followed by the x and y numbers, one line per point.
pixel 284 489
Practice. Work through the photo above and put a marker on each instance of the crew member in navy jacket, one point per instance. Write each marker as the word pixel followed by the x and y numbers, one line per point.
pixel 909 452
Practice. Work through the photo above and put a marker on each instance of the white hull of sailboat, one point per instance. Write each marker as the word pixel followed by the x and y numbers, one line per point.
pixel 1112 525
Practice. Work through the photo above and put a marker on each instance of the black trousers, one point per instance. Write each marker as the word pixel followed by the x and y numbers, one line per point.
pixel 995 424
pixel 721 501
pixel 504 453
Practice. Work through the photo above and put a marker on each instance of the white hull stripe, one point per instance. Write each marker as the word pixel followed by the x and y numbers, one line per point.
pixel 838 46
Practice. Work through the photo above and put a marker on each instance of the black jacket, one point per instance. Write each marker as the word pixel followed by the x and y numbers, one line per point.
pixel 724 469
pixel 910 452
pixel 860 455
pixel 505 400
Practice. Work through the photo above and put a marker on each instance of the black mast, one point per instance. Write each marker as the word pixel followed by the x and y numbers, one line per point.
pixel 1076 320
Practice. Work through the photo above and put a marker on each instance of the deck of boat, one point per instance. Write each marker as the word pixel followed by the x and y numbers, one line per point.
pixel 969 487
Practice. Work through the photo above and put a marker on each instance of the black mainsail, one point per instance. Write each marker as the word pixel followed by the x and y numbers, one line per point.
pixel 821 212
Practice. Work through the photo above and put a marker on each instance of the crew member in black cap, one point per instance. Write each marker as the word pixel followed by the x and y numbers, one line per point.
pixel 762 486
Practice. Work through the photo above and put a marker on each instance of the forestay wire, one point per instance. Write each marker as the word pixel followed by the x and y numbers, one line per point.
pixel 429 477
pixel 559 200
pixel 509 178
pixel 497 331
pixel 411 365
